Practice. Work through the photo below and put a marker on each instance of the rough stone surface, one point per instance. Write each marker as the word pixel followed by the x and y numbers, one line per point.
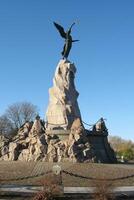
pixel 63 137
pixel 29 144
pixel 32 143
pixel 4 141
pixel 63 107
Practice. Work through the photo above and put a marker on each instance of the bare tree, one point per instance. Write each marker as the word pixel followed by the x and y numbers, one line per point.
pixel 19 113
pixel 6 127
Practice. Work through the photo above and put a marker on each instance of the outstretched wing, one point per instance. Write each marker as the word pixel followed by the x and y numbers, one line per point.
pixel 60 29
pixel 72 25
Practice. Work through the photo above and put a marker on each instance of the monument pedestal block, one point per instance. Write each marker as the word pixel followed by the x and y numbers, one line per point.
pixel 60 134
pixel 63 107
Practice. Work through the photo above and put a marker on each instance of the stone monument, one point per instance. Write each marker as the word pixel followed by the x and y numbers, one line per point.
pixel 63 137
pixel 33 143
pixel 63 106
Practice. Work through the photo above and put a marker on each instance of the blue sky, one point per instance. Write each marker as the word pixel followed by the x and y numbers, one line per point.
pixel 30 49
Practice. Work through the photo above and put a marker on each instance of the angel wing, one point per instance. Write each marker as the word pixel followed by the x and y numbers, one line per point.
pixel 72 25
pixel 60 29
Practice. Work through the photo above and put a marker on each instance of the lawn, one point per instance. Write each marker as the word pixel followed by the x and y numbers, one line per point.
pixel 31 173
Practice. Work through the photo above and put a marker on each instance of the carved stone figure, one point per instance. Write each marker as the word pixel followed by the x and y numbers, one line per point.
pixel 100 126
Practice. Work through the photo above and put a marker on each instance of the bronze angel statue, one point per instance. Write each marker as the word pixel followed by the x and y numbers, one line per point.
pixel 68 39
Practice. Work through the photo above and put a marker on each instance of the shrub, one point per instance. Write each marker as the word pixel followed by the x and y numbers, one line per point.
pixel 51 188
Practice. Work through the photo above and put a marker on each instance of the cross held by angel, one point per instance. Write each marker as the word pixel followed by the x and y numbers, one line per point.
pixel 68 39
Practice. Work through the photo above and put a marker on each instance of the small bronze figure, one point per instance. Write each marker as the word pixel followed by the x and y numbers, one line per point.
pixel 68 39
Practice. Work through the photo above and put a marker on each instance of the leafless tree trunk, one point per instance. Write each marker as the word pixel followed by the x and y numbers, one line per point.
pixel 19 113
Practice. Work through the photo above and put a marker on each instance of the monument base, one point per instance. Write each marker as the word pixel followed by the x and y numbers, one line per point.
pixel 99 151
pixel 34 143
pixel 102 149
pixel 60 134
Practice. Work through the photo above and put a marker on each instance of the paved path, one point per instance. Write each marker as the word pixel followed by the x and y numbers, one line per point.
pixel 91 189
pixel 80 190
